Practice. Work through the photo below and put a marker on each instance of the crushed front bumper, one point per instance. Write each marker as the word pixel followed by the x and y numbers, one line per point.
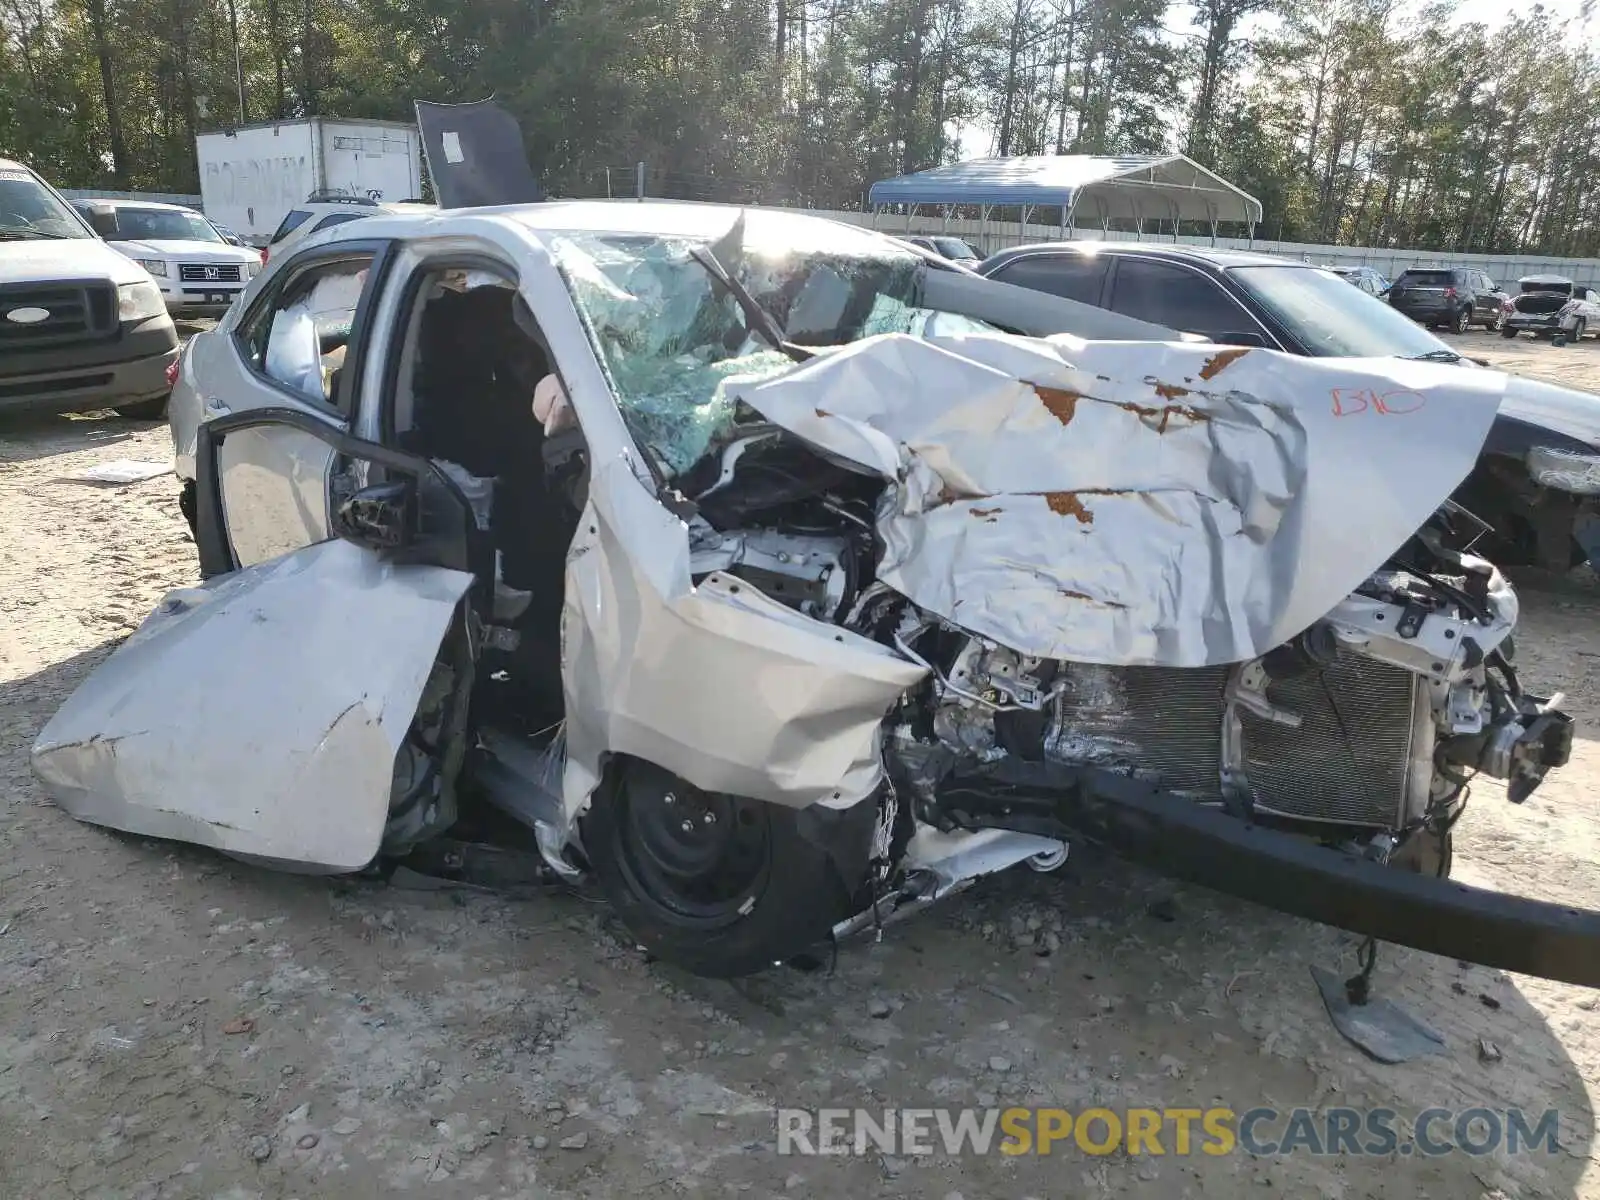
pixel 1299 876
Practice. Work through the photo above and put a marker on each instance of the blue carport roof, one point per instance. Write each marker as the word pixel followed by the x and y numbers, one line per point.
pixel 1151 186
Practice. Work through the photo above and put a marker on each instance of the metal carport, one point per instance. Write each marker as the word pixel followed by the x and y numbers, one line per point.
pixel 1132 187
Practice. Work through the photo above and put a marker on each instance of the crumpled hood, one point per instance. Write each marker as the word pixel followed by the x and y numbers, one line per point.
pixel 1565 410
pixel 186 249
pixel 61 259
pixel 1135 503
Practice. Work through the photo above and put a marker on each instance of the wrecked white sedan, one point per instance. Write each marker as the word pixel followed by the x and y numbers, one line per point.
pixel 781 578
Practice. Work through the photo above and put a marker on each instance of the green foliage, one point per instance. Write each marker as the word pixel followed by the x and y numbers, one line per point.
pixel 1365 121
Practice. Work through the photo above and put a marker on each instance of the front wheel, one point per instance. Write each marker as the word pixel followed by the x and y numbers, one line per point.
pixel 719 885
pixel 1507 332
pixel 1463 321
pixel 1497 323
pixel 143 410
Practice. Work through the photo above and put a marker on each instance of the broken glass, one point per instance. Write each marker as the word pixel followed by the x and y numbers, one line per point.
pixel 671 335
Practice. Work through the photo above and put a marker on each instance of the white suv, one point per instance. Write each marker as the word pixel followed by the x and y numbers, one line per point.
pixel 198 272
pixel 324 210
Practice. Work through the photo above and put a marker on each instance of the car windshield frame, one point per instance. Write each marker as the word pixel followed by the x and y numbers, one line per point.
pixel 200 230
pixel 669 337
pixel 1366 326
pixel 51 217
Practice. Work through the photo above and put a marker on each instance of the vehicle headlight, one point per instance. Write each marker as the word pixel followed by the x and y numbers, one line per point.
pixel 155 266
pixel 1573 471
pixel 139 302
pixel 252 269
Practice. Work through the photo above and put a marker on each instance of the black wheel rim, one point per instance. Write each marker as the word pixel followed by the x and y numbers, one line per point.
pixel 698 859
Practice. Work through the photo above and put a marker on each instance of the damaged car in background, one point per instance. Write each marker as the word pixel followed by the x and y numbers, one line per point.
pixel 780 581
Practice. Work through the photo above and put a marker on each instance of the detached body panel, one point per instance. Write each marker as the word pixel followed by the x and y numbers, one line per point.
pixel 260 714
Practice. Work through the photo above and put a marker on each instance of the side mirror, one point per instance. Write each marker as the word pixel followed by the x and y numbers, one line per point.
pixel 103 220
pixel 382 516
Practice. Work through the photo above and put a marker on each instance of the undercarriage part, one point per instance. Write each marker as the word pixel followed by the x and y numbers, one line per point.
pixel 523 780
pixel 939 864
pixel 1290 873
pixel 1521 746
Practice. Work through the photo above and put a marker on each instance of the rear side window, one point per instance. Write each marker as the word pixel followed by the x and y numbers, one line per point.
pixel 1070 276
pixel 336 219
pixel 297 339
pixel 296 217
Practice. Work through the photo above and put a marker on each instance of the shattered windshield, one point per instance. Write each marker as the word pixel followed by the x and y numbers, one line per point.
pixel 672 336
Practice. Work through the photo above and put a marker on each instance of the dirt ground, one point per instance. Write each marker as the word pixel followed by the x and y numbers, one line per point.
pixel 174 1024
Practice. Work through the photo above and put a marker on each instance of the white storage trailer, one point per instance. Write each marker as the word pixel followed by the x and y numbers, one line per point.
pixel 251 175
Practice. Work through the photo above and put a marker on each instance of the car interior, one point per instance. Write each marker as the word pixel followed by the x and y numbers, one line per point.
pixel 469 368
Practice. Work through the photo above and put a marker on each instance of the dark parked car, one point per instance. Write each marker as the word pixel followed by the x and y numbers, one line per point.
pixel 1541 514
pixel 1454 297
pixel 946 247
pixel 1365 278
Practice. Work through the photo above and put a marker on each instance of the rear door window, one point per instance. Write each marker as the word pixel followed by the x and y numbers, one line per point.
pixel 329 222
pixel 1071 276
pixel 1174 296
pixel 297 338
pixel 295 218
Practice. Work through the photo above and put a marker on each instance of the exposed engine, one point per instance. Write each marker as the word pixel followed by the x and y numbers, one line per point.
pixel 1366 728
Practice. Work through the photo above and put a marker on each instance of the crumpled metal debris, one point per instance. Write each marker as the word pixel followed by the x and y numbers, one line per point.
pixel 1134 503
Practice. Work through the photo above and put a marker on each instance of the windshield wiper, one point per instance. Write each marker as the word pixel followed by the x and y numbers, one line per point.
pixel 761 321
pixel 23 235
pixel 1433 356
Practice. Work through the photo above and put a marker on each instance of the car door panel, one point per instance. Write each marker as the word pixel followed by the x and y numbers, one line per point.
pixel 277 475
pixel 262 713
pixel 275 492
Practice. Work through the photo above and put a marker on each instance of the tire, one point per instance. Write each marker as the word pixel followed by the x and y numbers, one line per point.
pixel 728 897
pixel 188 506
pixel 1463 321
pixel 1506 331
pixel 144 410
pixel 1497 325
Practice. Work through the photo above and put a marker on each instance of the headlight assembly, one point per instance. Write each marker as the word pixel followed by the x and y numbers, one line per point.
pixel 155 266
pixel 1573 471
pixel 139 302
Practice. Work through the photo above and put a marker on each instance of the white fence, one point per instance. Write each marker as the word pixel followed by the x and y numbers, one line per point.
pixel 158 197
pixel 987 237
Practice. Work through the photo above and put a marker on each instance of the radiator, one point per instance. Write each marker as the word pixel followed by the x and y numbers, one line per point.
pixel 1347 762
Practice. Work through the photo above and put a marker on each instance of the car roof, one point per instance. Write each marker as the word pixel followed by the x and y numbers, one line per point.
pixel 652 218
pixel 1171 250
pixel 1544 279
pixel 136 205
pixel 11 164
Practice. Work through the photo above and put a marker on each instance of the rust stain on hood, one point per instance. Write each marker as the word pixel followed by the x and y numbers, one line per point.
pixel 1061 402
pixel 1067 504
pixel 1221 361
